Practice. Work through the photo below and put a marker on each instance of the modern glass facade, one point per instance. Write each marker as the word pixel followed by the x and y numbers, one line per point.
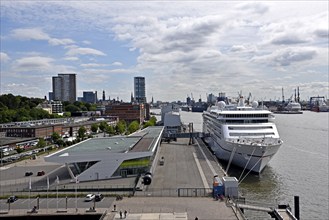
pixel 139 89
pixel 64 87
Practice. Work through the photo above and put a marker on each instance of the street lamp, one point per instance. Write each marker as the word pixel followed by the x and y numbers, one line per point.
pixel 1 156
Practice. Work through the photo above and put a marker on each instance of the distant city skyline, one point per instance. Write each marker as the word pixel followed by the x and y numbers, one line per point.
pixel 180 47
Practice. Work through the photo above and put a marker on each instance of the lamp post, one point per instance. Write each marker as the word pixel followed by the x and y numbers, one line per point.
pixel 0 168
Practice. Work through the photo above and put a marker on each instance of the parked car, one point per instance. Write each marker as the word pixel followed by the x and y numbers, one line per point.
pixel 41 173
pixel 12 199
pixel 99 197
pixel 29 173
pixel 89 197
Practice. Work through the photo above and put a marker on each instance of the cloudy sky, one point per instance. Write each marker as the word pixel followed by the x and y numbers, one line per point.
pixel 180 47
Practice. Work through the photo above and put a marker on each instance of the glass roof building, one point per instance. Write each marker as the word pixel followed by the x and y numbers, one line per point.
pixel 106 158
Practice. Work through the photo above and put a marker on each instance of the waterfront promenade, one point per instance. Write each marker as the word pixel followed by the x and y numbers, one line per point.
pixel 180 189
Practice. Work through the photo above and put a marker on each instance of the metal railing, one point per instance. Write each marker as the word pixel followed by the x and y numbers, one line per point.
pixel 178 192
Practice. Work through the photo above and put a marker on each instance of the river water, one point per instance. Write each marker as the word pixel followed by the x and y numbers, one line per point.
pixel 300 167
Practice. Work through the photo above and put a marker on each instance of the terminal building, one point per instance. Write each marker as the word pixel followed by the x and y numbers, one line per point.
pixel 113 157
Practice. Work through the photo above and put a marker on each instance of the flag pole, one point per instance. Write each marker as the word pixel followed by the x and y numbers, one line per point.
pixel 30 186
pixel 57 182
pixel 47 191
pixel 76 192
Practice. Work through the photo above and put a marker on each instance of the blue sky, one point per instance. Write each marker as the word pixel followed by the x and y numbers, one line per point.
pixel 180 47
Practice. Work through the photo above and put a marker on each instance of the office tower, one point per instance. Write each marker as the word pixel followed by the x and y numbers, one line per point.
pixel 64 87
pixel 139 89
pixel 89 97
pixel 103 95
pixel 51 96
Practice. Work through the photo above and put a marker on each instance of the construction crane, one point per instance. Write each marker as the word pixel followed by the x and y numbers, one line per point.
pixel 248 99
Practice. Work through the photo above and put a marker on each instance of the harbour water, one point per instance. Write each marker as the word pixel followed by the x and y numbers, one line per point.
pixel 300 168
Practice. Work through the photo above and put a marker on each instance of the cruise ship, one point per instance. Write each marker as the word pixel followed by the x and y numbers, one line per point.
pixel 245 136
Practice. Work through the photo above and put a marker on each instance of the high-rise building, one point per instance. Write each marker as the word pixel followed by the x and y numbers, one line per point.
pixel 139 89
pixel 51 96
pixel 64 87
pixel 89 97
pixel 103 95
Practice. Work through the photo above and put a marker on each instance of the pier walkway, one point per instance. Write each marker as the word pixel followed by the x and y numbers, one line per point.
pixel 182 184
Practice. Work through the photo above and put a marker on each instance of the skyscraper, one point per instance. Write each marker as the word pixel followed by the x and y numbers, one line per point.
pixel 89 97
pixel 64 87
pixel 139 89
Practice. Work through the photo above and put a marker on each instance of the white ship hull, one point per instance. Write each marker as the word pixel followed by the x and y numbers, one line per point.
pixel 245 137
pixel 254 158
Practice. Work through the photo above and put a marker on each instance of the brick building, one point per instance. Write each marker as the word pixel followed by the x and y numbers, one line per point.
pixel 126 111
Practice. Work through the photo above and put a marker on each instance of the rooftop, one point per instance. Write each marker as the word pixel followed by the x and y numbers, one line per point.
pixel 114 144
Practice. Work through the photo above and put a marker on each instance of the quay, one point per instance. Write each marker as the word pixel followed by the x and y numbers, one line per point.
pixel 181 188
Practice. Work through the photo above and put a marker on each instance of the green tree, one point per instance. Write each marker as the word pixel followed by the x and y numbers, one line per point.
pixel 151 122
pixel 121 127
pixel 41 143
pixel 147 124
pixel 22 115
pixel 19 150
pixel 81 132
pixel 133 126
pixel 56 137
pixel 78 104
pixel 110 130
pixel 72 108
pixel 18 108
pixel 94 128
pixel 92 107
pixel 103 125
pixel 60 142
pixel 67 114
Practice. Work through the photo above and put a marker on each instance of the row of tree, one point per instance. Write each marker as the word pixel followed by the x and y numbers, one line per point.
pixel 120 128
pixel 19 108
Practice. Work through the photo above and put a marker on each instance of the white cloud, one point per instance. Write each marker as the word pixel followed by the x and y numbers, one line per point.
pixel 86 42
pixel 4 57
pixel 56 42
pixel 288 39
pixel 200 46
pixel 38 34
pixel 253 7
pixel 33 64
pixel 84 51
pixel 116 64
pixel 71 58
pixel 288 56
pixel 87 65
pixel 29 34
pixel 237 48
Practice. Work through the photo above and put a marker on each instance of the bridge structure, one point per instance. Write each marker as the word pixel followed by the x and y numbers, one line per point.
pixel 190 135
pixel 281 212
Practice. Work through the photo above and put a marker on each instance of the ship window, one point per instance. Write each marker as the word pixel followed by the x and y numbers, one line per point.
pixel 250 128
pixel 250 134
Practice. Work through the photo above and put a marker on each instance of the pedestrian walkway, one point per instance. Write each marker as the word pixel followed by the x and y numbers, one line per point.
pixel 153 216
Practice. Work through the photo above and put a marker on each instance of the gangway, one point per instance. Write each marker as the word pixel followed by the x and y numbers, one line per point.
pixel 278 214
pixel 186 135
pixel 283 212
